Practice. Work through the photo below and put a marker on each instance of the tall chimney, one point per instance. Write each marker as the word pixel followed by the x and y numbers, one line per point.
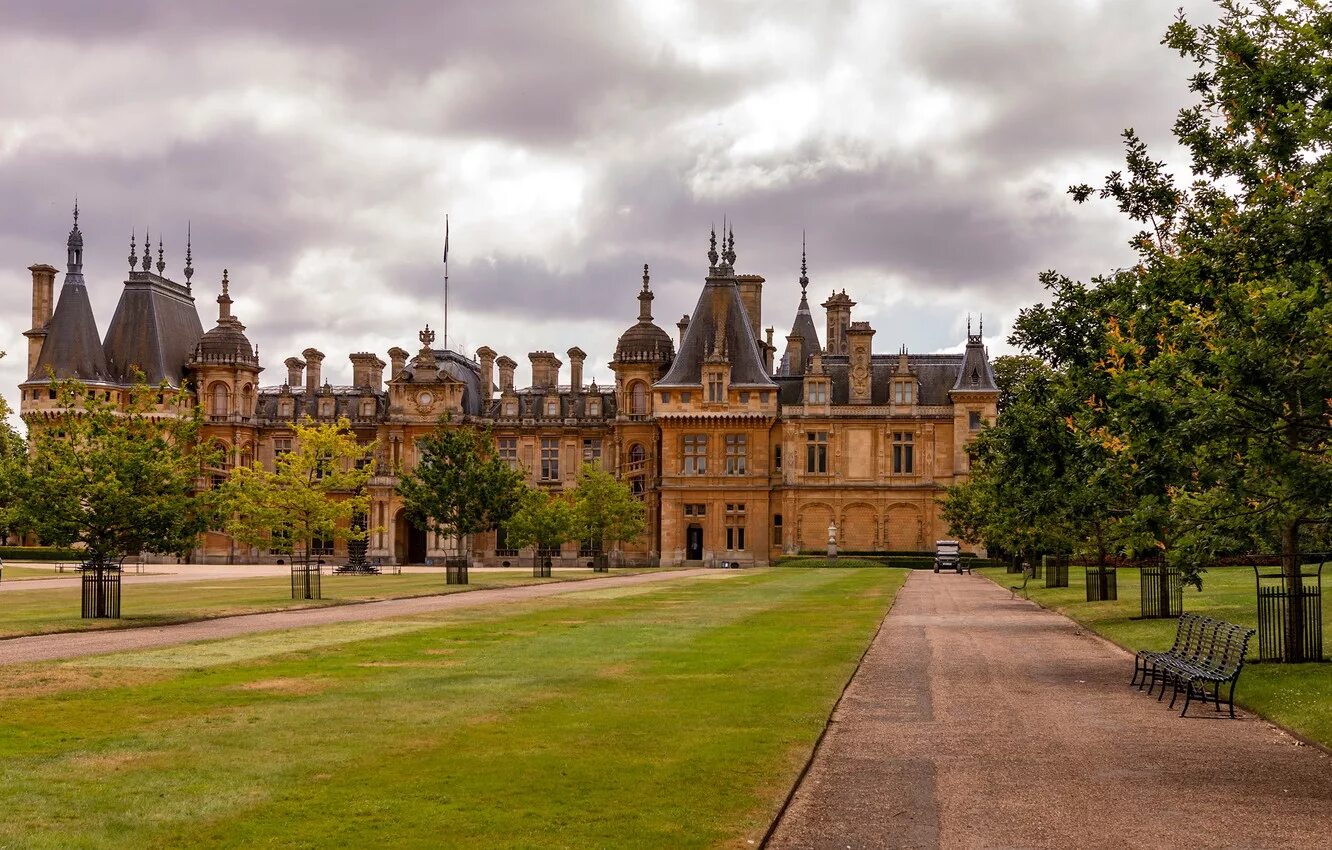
pixel 683 325
pixel 506 366
pixel 839 306
pixel 576 358
pixel 768 350
pixel 545 369
pixel 795 354
pixel 314 362
pixel 295 366
pixel 398 357
pixel 751 296
pixel 43 283
pixel 861 346
pixel 486 355
pixel 367 370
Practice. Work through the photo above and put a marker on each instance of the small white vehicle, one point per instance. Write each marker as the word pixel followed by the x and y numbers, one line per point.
pixel 948 555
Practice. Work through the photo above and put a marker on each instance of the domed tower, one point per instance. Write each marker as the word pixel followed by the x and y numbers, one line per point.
pixel 643 354
pixel 225 368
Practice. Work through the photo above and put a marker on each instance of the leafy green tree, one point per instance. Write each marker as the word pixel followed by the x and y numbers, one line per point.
pixel 117 480
pixel 545 520
pixel 460 485
pixel 1210 356
pixel 1011 371
pixel 13 453
pixel 313 493
pixel 605 510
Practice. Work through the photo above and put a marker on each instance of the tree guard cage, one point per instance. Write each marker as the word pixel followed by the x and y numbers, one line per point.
pixel 540 565
pixel 455 571
pixel 305 580
pixel 1277 639
pixel 1162 591
pixel 1102 583
pixel 101 590
pixel 1056 570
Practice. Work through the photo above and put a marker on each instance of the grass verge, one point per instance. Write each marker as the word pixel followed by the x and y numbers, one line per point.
pixel 675 717
pixel 1297 696
pixel 30 612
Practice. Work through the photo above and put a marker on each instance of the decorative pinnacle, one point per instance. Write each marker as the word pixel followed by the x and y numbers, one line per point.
pixel 189 259
pixel 804 269
pixel 730 247
pixel 645 277
pixel 161 262
pixel 968 324
pixel 427 337
pixel 76 212
pixel 712 248
pixel 147 250
pixel 134 252
pixel 226 284
pixel 224 300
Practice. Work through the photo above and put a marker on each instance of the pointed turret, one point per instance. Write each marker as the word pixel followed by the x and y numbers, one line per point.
pixel 793 361
pixel 72 348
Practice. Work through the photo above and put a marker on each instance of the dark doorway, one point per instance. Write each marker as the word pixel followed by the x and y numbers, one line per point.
pixel 694 543
pixel 411 541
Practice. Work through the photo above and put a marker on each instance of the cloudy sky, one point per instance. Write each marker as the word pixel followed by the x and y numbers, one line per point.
pixel 924 148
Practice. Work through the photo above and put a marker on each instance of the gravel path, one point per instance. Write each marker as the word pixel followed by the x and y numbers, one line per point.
pixel 78 644
pixel 980 721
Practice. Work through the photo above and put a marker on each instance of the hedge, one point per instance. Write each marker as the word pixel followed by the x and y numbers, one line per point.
pixel 38 553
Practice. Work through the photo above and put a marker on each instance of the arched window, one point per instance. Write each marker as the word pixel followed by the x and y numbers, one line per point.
pixel 221 400
pixel 637 454
pixel 247 401
pixel 638 398
pixel 247 456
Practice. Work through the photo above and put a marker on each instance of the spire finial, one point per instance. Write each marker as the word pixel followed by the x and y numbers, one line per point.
pixel 134 251
pixel 645 298
pixel 189 258
pixel 712 249
pixel 74 244
pixel 730 247
pixel 224 300
pixel 980 331
pixel 804 269
pixel 968 324
pixel 645 277
pixel 147 250
pixel 161 261
pixel 76 212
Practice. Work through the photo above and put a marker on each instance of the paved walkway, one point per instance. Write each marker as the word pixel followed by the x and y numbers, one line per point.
pixel 976 721
pixel 78 644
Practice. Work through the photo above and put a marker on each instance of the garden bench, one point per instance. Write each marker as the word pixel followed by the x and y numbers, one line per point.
pixel 1027 574
pixel 1206 653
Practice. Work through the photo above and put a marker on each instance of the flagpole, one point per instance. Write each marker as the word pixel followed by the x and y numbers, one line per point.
pixel 446 281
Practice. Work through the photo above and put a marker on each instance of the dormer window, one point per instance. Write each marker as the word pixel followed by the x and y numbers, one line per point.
pixel 510 408
pixel 975 378
pixel 552 407
pixel 715 387
pixel 816 392
pixel 594 407
pixel 903 392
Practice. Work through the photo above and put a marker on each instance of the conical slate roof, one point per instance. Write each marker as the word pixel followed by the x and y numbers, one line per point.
pixel 803 326
pixel 976 373
pixel 73 348
pixel 719 327
pixel 154 330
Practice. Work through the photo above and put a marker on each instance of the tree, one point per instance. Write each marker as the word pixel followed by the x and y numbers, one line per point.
pixel 544 520
pixel 116 480
pixel 314 493
pixel 460 485
pixel 13 453
pixel 1211 353
pixel 605 510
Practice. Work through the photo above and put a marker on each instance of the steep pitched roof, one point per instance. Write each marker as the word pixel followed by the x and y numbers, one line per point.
pixel 976 374
pixel 719 319
pixel 154 330
pixel 73 348
pixel 803 326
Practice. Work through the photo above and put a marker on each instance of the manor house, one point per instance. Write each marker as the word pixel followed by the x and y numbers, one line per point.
pixel 740 452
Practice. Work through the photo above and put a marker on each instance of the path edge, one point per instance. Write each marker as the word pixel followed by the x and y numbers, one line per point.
pixel 827 724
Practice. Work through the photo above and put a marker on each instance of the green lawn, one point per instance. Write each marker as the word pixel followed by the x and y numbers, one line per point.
pixel 14 572
pixel 26 612
pixel 1298 696
pixel 661 716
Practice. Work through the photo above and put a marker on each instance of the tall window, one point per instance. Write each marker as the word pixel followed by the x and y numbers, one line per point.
pixel 816 452
pixel 592 451
pixel 777 530
pixel 695 454
pixel 777 457
pixel 220 400
pixel 715 387
pixel 510 408
pixel 974 420
pixel 904 453
pixel 550 459
pixel 508 451
pixel 816 392
pixel 638 398
pixel 552 407
pixel 737 447
pixel 735 526
pixel 594 407
pixel 637 470
pixel 281 446
pixel 902 392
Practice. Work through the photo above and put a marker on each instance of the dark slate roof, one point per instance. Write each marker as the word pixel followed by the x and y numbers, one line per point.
pixel 73 348
pixel 155 329
pixel 803 326
pixel 935 374
pixel 531 403
pixel 346 401
pixel 976 374
pixel 719 302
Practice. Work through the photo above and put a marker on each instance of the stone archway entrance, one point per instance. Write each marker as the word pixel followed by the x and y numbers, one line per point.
pixel 409 541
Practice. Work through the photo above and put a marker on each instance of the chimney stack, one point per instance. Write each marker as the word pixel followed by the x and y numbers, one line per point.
pixel 576 358
pixel 861 346
pixel 683 325
pixel 795 354
pixel 751 296
pixel 295 366
pixel 506 366
pixel 398 357
pixel 367 370
pixel 486 355
pixel 768 350
pixel 545 369
pixel 839 306
pixel 43 285
pixel 314 362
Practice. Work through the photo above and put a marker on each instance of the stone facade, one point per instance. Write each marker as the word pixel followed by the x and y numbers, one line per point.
pixel 736 458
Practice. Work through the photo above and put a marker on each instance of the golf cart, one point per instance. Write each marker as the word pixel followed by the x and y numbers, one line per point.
pixel 948 555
